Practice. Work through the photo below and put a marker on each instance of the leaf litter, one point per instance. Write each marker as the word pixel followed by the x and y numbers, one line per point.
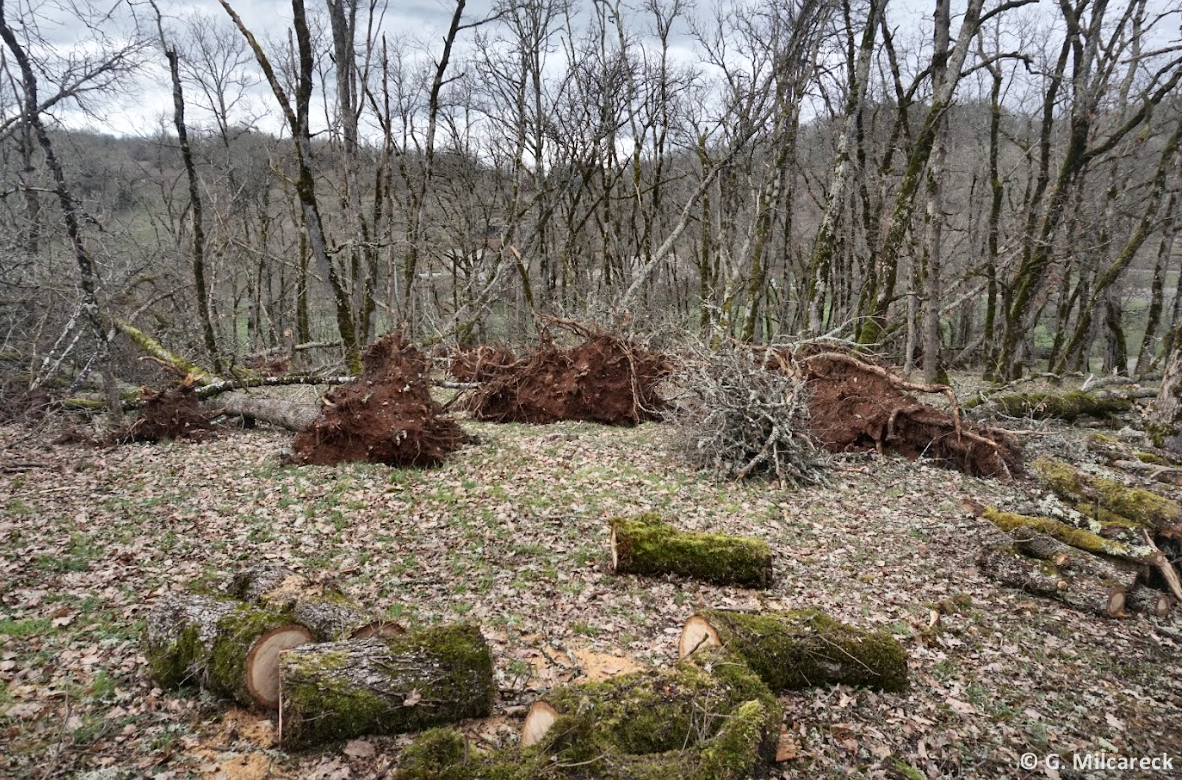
pixel 512 534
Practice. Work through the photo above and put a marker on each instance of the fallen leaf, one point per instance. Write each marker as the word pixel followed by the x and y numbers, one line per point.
pixel 412 698
pixel 359 748
pixel 786 747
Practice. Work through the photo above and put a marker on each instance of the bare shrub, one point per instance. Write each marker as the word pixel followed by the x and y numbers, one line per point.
pixel 743 416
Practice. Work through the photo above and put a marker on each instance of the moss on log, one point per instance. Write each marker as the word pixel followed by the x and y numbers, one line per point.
pixel 801 649
pixel 1069 406
pixel 323 608
pixel 384 685
pixel 645 545
pixel 222 645
pixel 1083 539
pixel 1144 508
pixel 708 718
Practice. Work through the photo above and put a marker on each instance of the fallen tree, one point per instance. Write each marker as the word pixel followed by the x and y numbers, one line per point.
pixel 289 415
pixel 222 645
pixel 1068 406
pixel 644 545
pixel 1143 508
pixel 800 649
pixel 856 406
pixel 604 380
pixel 1100 596
pixel 324 609
pixel 384 685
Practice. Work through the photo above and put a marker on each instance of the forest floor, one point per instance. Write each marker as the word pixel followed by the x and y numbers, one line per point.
pixel 512 533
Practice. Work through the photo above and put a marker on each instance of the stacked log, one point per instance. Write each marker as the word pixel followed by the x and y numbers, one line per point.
pixel 801 649
pixel 222 645
pixel 644 545
pixel 384 685
pixel 324 609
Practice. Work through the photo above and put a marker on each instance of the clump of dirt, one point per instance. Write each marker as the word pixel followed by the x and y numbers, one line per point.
pixel 604 380
pixel 481 363
pixel 855 408
pixel 386 416
pixel 172 413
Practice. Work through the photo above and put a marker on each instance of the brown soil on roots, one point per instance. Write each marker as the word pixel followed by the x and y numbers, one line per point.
pixel 854 410
pixel 174 413
pixel 603 380
pixel 482 363
pixel 386 416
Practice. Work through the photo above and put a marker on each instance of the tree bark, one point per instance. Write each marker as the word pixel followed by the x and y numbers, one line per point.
pixel 392 685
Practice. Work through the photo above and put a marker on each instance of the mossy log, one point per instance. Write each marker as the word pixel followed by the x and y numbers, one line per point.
pixel 1069 406
pixel 708 718
pixel 1033 544
pixel 1148 510
pixel 800 649
pixel 1147 601
pixel 1083 590
pixel 323 608
pixel 647 546
pixel 222 645
pixel 1093 541
pixel 384 685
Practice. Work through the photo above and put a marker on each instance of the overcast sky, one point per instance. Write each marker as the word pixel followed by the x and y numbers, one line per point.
pixel 421 21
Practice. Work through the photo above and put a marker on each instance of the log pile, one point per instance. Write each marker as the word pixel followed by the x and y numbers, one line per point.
pixel 1109 554
pixel 278 640
pixel 644 545
pixel 714 714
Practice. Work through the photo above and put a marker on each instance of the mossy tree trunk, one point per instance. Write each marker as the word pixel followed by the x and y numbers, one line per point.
pixel 1069 406
pixel 647 546
pixel 222 645
pixel 1143 508
pixel 384 685
pixel 801 649
pixel 324 609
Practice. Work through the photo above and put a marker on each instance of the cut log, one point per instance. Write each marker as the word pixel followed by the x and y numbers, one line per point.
pixel 708 712
pixel 1041 546
pixel 1147 601
pixel 801 649
pixel 341 690
pixel 324 609
pixel 289 415
pixel 647 546
pixel 538 722
pixel 225 646
pixel 1083 590
pixel 1145 508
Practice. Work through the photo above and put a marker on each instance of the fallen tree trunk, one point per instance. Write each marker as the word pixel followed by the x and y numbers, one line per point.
pixel 224 646
pixel 1132 547
pixel 392 685
pixel 1144 508
pixel 290 415
pixel 647 546
pixel 324 609
pixel 1069 406
pixel 1083 591
pixel 1033 544
pixel 802 649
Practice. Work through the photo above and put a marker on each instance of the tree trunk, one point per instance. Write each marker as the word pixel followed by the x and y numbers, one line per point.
pixel 801 649
pixel 1147 601
pixel 649 547
pixel 289 415
pixel 1006 565
pixel 224 646
pixel 1144 508
pixel 392 685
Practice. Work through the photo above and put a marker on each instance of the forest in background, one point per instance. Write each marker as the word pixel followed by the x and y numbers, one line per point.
pixel 997 189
